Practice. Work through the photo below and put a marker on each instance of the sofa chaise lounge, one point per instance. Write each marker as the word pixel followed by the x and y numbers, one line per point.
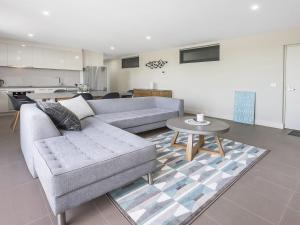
pixel 77 166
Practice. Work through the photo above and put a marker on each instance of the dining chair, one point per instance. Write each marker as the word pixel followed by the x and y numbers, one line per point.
pixel 60 91
pixel 86 96
pixel 17 102
pixel 111 95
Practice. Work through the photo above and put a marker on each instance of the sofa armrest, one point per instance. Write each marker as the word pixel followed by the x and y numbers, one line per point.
pixel 34 125
pixel 170 103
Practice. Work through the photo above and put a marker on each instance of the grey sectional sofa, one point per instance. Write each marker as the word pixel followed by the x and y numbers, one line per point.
pixel 77 166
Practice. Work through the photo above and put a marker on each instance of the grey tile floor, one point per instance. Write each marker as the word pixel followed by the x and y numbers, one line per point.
pixel 268 194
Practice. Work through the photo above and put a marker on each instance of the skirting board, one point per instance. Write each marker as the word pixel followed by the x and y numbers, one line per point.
pixel 227 117
pixel 7 113
pixel 269 124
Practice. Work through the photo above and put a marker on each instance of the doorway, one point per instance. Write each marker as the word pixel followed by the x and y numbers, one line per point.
pixel 292 87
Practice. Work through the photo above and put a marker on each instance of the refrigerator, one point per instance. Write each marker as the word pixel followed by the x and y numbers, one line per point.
pixel 95 78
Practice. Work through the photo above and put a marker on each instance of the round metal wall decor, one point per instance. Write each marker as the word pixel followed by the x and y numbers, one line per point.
pixel 156 64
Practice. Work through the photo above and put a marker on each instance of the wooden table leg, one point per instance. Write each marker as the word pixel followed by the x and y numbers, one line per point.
pixel 16 121
pixel 220 147
pixel 191 150
pixel 199 144
pixel 174 139
pixel 201 140
pixel 220 150
pixel 189 154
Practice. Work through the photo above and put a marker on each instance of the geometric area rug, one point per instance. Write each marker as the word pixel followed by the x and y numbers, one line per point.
pixel 183 189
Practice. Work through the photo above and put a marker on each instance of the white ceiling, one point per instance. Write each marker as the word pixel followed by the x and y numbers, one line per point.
pixel 99 24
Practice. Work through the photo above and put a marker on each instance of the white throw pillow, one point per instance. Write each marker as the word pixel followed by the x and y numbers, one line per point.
pixel 78 106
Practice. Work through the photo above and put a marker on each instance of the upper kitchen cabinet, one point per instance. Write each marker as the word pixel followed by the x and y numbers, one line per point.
pixel 19 55
pixel 3 55
pixel 51 58
pixel 39 57
pixel 48 58
pixel 73 59
pixel 23 54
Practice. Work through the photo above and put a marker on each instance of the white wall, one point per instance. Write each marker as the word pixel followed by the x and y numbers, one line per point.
pixel 248 63
pixel 92 58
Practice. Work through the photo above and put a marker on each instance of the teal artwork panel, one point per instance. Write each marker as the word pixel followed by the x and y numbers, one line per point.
pixel 244 107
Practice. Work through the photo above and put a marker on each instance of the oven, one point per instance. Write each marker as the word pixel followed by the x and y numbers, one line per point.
pixel 19 94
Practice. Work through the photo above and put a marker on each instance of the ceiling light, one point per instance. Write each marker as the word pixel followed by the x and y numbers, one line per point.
pixel 255 7
pixel 46 13
pixel 23 45
pixel 148 37
pixel 76 57
pixel 30 35
pixel 112 48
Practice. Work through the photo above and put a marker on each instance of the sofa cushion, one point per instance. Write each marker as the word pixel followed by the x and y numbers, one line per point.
pixel 60 115
pixel 121 104
pixel 78 106
pixel 137 117
pixel 76 159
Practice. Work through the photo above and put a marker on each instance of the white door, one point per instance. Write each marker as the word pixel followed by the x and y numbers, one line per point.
pixel 292 114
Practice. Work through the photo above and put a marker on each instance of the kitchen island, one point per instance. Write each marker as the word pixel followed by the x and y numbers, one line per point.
pixel 44 93
pixel 5 104
pixel 62 95
pixel 69 94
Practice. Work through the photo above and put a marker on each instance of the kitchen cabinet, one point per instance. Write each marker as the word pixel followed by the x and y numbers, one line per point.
pixel 73 59
pixel 47 58
pixel 44 90
pixel 3 55
pixel 19 55
pixel 57 58
pixel 152 92
pixel 41 58
pixel 4 102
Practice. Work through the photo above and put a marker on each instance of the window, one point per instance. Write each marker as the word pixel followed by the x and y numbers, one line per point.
pixel 201 54
pixel 131 62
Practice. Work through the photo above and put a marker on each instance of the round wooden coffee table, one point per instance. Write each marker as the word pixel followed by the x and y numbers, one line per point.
pixel 215 128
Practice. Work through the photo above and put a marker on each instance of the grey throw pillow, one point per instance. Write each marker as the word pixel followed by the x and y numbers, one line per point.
pixel 60 115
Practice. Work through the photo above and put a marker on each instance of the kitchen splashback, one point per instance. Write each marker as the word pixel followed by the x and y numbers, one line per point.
pixel 37 77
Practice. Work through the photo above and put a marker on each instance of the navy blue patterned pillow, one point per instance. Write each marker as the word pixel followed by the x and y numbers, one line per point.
pixel 60 115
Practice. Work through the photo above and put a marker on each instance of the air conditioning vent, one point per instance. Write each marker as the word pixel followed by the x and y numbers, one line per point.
pixel 132 62
pixel 201 54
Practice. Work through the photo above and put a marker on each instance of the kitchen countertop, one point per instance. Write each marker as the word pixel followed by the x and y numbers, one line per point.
pixel 68 94
pixel 29 87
